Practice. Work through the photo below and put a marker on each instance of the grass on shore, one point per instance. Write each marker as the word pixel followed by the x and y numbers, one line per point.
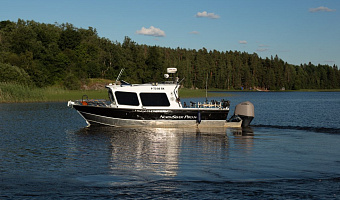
pixel 19 93
pixel 15 93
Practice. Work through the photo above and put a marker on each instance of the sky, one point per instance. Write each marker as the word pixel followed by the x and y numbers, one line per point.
pixel 297 31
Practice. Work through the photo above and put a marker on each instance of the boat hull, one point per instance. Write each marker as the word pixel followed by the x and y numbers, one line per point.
pixel 155 117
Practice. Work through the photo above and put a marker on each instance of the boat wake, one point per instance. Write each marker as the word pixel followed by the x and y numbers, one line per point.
pixel 305 128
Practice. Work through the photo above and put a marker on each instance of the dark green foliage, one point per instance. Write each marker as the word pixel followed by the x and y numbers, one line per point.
pixel 13 74
pixel 72 82
pixel 53 54
pixel 69 39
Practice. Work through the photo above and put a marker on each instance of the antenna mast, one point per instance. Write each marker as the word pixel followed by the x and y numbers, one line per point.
pixel 119 75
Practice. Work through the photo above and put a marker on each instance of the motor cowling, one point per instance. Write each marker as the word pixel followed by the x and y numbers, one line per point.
pixel 245 111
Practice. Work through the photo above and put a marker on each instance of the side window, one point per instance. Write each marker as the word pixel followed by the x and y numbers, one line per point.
pixel 154 99
pixel 111 97
pixel 127 98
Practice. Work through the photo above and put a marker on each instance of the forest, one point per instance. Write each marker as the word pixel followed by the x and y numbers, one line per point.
pixel 42 55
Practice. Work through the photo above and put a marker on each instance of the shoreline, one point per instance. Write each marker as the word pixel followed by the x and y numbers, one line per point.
pixel 39 95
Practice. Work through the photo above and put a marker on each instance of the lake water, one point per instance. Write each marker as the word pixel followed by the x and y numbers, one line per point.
pixel 292 151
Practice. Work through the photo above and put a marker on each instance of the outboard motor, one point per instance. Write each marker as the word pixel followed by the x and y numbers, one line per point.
pixel 245 111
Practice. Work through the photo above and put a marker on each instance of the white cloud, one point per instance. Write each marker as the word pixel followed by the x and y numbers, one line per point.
pixel 262 49
pixel 152 31
pixel 242 42
pixel 263 45
pixel 321 9
pixel 208 15
pixel 194 32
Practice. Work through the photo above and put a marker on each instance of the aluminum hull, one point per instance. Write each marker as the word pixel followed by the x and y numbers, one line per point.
pixel 185 117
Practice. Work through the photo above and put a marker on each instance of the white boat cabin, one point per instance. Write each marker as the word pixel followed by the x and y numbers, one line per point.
pixel 139 96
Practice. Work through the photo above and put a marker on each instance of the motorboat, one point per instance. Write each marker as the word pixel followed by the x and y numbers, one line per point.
pixel 156 105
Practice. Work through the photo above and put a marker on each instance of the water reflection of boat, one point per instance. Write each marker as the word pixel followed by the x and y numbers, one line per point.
pixel 158 105
pixel 158 151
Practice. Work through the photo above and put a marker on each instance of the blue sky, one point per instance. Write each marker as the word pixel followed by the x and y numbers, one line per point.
pixel 298 31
